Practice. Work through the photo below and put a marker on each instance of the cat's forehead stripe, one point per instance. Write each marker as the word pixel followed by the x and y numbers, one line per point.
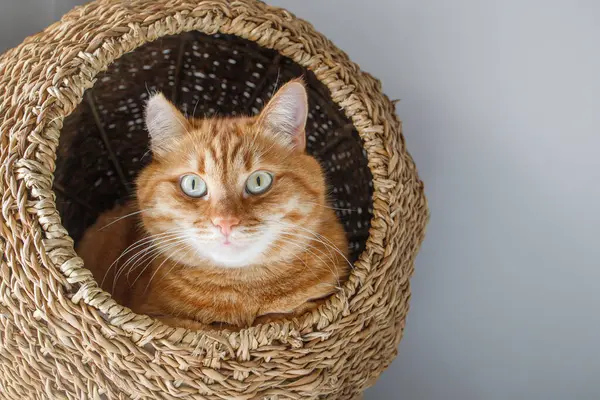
pixel 235 150
pixel 223 155
pixel 224 149
pixel 209 162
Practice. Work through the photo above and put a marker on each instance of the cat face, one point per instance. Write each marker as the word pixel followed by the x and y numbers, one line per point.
pixel 233 192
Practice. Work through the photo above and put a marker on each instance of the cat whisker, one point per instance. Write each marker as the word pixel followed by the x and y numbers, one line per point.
pixel 139 243
pixel 329 207
pixel 131 265
pixel 169 271
pixel 138 256
pixel 195 106
pixel 123 217
pixel 172 246
pixel 134 260
pixel 276 82
pixel 319 238
pixel 291 236
pixel 307 268
pixel 130 248
pixel 325 264
pixel 145 154
pixel 328 266
pixel 154 249
pixel 339 286
pixel 324 240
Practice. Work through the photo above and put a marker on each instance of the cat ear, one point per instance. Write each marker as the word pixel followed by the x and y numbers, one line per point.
pixel 285 114
pixel 164 123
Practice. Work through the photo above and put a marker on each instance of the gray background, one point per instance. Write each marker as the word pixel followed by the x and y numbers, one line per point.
pixel 500 103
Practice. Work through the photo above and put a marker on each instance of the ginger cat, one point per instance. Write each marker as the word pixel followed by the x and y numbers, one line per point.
pixel 230 225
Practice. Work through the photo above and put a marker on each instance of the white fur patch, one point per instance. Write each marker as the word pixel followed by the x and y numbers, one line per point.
pixel 243 250
pixel 293 204
pixel 164 123
pixel 286 114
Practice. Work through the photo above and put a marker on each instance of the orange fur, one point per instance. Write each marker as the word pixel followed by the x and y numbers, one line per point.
pixel 165 272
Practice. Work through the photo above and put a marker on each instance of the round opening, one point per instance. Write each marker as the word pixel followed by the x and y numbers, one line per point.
pixel 104 144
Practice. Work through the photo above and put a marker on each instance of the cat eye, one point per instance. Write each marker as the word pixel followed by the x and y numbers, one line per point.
pixel 259 182
pixel 193 185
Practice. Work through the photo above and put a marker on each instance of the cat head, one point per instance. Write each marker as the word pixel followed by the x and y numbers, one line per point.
pixel 233 192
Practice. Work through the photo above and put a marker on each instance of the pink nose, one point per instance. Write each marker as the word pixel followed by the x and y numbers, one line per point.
pixel 226 224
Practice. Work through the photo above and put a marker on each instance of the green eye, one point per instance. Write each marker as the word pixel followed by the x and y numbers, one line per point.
pixel 193 185
pixel 259 182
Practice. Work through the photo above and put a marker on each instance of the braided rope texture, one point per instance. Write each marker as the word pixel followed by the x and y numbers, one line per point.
pixel 64 338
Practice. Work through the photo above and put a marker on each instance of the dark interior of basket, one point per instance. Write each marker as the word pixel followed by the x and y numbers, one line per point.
pixel 104 144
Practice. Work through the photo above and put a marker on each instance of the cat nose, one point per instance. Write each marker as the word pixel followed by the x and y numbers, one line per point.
pixel 225 224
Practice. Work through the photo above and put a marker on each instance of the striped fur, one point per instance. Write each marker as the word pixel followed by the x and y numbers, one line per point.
pixel 169 260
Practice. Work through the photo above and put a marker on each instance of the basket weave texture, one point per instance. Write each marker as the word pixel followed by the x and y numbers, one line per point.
pixel 70 147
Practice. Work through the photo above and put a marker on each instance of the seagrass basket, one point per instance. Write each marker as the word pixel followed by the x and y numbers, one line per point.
pixel 72 141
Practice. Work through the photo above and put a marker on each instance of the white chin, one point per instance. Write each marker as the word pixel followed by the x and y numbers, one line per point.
pixel 241 252
pixel 232 255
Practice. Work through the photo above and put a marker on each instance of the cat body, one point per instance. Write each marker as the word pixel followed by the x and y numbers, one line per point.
pixel 230 224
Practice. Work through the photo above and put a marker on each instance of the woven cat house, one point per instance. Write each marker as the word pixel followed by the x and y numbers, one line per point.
pixel 72 141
